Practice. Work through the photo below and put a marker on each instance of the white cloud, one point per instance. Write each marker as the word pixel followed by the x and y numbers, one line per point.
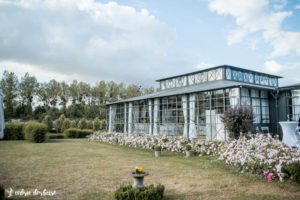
pixel 236 36
pixel 256 16
pixel 84 37
pixel 42 75
pixel 272 67
pixel 297 7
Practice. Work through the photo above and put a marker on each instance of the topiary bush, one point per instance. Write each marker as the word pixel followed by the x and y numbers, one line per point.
pixel 66 124
pixel 188 147
pixel 55 136
pixel 59 123
pixel 48 122
pixel 238 120
pixel 158 148
pixel 35 132
pixel 90 124
pixel 148 193
pixel 14 131
pixel 82 124
pixel 97 124
pixel 77 133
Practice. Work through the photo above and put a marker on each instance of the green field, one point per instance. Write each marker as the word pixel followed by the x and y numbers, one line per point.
pixel 78 169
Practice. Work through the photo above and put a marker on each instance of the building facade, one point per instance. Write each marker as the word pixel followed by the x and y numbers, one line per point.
pixel 191 104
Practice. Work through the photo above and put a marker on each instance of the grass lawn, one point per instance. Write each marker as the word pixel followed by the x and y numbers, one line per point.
pixel 78 169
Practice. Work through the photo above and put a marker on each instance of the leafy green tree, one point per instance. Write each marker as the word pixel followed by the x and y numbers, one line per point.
pixel 66 124
pixel 53 90
pixel 48 122
pixel 64 95
pixel 101 93
pixel 90 124
pixel 27 89
pixel 112 91
pixel 82 124
pixel 59 123
pixel 73 124
pixel 149 90
pixel 103 124
pixel 133 91
pixel 9 85
pixel 97 124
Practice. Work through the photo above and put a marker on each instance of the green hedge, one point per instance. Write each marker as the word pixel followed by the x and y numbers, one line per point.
pixel 292 171
pixel 14 131
pixel 55 136
pixel 2 192
pixel 148 193
pixel 77 133
pixel 35 132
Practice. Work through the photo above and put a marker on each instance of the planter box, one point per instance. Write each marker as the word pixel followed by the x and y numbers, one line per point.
pixel 157 153
pixel 189 154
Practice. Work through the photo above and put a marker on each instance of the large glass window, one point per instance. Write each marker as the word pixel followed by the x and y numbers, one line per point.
pixel 260 106
pixel 118 117
pixel 140 117
pixel 171 118
pixel 293 105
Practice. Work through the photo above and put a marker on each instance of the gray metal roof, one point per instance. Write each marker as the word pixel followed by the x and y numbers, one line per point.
pixel 194 88
pixel 220 66
pixel 288 87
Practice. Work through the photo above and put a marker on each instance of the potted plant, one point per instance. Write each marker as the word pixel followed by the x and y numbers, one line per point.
pixel 157 151
pixel 138 178
pixel 188 151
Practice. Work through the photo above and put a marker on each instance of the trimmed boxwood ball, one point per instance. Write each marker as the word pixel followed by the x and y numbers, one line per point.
pixel 35 132
pixel 158 148
pixel 14 131
pixel 148 193
pixel 188 147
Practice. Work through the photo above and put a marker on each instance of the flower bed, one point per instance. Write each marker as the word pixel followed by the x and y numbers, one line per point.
pixel 262 155
pixel 169 143
pixel 258 154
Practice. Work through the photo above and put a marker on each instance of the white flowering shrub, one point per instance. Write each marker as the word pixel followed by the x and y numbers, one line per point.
pixel 257 154
pixel 262 155
pixel 169 143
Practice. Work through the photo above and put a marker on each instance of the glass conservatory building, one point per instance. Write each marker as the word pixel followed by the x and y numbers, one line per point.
pixel 191 104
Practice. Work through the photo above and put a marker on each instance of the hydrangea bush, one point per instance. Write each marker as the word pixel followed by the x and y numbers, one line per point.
pixel 259 154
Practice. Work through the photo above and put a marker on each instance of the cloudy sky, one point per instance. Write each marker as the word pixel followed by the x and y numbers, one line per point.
pixel 139 41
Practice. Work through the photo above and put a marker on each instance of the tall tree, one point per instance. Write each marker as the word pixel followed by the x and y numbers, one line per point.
pixel 64 95
pixel 9 85
pixel 133 91
pixel 53 91
pixel 100 92
pixel 28 87
pixel 112 91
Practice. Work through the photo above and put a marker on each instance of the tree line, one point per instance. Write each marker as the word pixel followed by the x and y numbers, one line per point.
pixel 26 98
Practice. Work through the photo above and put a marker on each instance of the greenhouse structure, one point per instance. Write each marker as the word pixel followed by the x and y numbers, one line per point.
pixel 191 104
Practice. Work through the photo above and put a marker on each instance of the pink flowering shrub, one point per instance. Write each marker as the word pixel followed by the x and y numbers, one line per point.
pixel 169 143
pixel 262 155
pixel 271 176
pixel 257 154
